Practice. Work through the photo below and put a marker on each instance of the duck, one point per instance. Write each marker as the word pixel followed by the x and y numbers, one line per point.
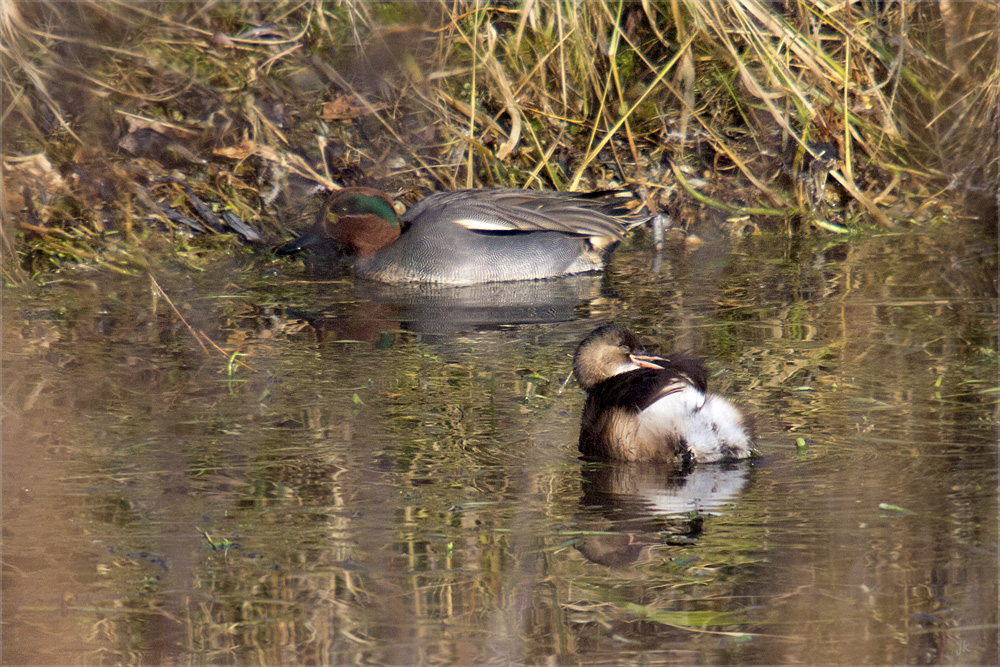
pixel 646 408
pixel 469 237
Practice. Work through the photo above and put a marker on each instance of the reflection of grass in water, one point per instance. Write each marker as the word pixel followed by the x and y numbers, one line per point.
pixel 605 604
pixel 688 620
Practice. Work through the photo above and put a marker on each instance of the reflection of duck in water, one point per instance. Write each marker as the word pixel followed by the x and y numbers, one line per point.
pixel 649 408
pixel 627 507
pixel 472 236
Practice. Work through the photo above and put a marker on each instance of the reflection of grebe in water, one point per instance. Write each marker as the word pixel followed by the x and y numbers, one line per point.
pixel 635 506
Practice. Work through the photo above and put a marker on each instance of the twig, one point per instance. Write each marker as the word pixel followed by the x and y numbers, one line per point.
pixel 564 383
pixel 190 328
pixel 228 355
pixel 194 333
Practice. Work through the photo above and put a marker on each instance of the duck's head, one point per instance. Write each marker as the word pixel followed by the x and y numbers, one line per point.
pixel 608 351
pixel 361 220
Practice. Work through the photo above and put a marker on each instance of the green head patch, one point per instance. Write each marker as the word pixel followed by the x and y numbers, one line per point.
pixel 357 203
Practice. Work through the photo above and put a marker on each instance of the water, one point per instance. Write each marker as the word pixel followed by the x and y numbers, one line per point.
pixel 397 481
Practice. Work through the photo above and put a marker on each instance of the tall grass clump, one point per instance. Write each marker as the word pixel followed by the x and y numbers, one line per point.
pixel 124 120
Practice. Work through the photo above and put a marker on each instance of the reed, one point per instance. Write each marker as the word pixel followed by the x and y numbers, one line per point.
pixel 115 113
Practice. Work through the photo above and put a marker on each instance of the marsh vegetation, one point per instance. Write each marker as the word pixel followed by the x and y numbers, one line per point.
pixel 124 121
pixel 214 455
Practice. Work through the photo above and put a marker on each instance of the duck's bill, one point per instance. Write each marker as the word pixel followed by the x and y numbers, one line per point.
pixel 310 239
pixel 647 361
pixel 298 244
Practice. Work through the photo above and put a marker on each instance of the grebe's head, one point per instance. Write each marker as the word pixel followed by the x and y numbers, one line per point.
pixel 608 351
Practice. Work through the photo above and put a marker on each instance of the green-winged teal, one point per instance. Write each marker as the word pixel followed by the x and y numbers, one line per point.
pixel 650 408
pixel 473 236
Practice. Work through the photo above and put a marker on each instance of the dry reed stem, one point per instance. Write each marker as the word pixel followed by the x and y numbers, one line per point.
pixel 544 95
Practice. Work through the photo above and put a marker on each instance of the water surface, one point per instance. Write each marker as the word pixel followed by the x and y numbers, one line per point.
pixel 393 476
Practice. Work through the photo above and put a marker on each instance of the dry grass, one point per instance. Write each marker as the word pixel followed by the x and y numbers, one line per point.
pixel 119 116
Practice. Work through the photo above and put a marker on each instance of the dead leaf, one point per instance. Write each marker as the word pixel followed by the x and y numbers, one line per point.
pixel 347 107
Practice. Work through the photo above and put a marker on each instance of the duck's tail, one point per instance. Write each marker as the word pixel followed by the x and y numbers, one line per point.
pixel 630 210
pixel 702 427
pixel 718 432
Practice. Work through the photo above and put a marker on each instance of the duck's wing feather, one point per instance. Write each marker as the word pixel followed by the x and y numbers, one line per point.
pixel 603 214
pixel 637 390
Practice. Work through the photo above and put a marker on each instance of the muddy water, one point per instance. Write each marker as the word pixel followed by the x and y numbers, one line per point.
pixel 392 476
